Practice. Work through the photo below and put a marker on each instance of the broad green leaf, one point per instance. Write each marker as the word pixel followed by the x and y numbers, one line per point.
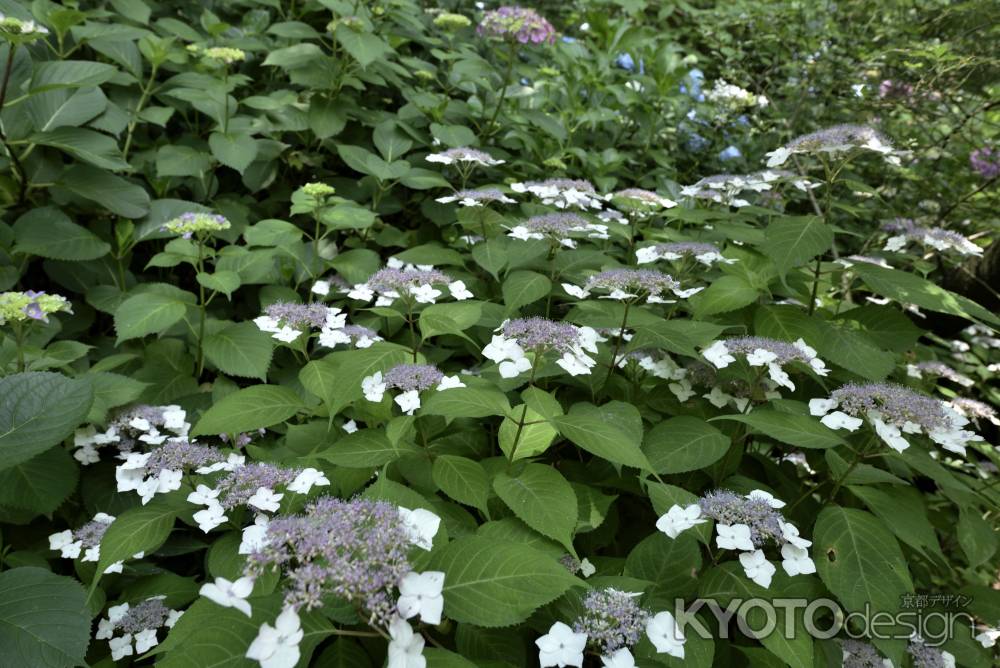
pixel 472 402
pixel 541 498
pixel 48 232
pixel 110 391
pixel 727 581
pixel 799 430
pixel 44 619
pixel 89 146
pixel 54 74
pixel 142 529
pixel 859 560
pixel 724 294
pixel 236 150
pixel 449 318
pixel 790 242
pixel 912 527
pixel 111 192
pixel 148 313
pixel 336 379
pixel 786 323
pixel 677 336
pixel 39 409
pixel 364 47
pixel 291 57
pixel 249 409
pixel 442 658
pixel 366 448
pixel 854 351
pixel 976 536
pixel 674 564
pixel 462 479
pixel 907 288
pixel 226 282
pixel 530 439
pixel 40 484
pixel 240 350
pixel 524 287
pixel 606 432
pixel 684 443
pixel 491 583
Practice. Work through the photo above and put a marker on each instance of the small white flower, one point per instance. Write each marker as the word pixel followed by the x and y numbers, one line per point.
pixel 665 635
pixel 757 567
pixel 819 407
pixel 796 560
pixel 203 495
pixel 718 354
pixel 286 334
pixel 575 291
pixel 575 365
pixel 321 288
pixel 682 389
pixel 841 420
pixel 988 638
pixel 450 383
pixel 209 518
pixel 121 647
pixel 513 369
pixel 459 291
pixel 63 541
pixel 791 534
pixel 421 525
pixel 266 323
pixel 373 387
pixel 233 462
pixel 500 349
pixel 330 338
pixel 145 640
pixel 420 594
pixel 172 617
pixel 760 357
pixel 408 401
pixel 265 499
pixel 767 497
pixel 678 519
pixel 350 426
pixel 586 568
pixel 718 398
pixel 254 536
pixel 307 479
pixel 425 294
pixel 561 646
pixel 734 537
pixel 229 594
pixel 278 646
pixel 361 292
pixel 622 658
pixel 887 432
pixel 405 646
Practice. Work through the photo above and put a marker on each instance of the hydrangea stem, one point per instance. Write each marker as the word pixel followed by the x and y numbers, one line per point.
pixel 15 163
pixel 618 342
pixel 511 55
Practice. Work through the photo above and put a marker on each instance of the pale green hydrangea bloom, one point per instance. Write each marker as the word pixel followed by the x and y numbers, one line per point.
pixel 30 305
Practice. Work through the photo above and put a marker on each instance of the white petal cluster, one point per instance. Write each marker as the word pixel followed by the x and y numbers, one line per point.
pixel 720 356
pixel 560 196
pixel 421 525
pixel 374 388
pixel 278 646
pixel 87 440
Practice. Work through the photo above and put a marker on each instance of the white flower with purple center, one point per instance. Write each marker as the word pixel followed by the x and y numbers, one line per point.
pixel 480 197
pixel 975 410
pixel 562 193
pixel 405 647
pixel 464 154
pixel 351 335
pixel 286 321
pixel 561 646
pixel 905 231
pixel 632 285
pixel 413 284
pixel 763 352
pixel 229 594
pixel 160 470
pixel 703 253
pixel 558 228
pixel 86 539
pixel 130 427
pixel 412 379
pixel 420 594
pixel 667 637
pixel 278 646
pixel 138 624
pixel 935 369
pixel 611 620
pixel 540 336
pixel 894 410
pixel 640 202
pixel 835 141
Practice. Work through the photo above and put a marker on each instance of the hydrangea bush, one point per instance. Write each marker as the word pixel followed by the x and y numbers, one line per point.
pixel 414 335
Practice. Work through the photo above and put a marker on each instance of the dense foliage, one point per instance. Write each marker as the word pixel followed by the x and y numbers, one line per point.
pixel 339 333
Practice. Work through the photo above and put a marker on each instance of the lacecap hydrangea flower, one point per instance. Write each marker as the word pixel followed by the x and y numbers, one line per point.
pixel 412 379
pixel 558 228
pixel 729 188
pixel 190 224
pixel 834 141
pixel 772 353
pixel 629 284
pixel 985 162
pixel 517 24
pixel 746 523
pixel 130 427
pixel 904 231
pixel 860 654
pixel 935 369
pixel 480 197
pixel 31 305
pixel 464 154
pixel 286 321
pixel 733 98
pixel 562 193
pixel 703 253
pixel 408 282
pixel 87 539
pixel 137 624
pixel 639 201
pixel 894 410
pixel 19 31
pixel 539 336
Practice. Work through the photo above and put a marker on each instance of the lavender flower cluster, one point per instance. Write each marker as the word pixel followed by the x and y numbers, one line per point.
pixel 730 508
pixel 541 334
pixel 835 140
pixel 905 230
pixel 189 224
pixel 895 403
pixel 518 24
pixel 354 550
pixel 408 377
pixel 612 619
pixel 242 483
pixel 297 315
pixel 985 162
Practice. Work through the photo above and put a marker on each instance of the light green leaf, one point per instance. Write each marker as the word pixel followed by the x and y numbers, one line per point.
pixel 541 498
pixel 111 192
pixel 472 402
pixel 976 536
pixel 606 431
pixel 148 313
pixel 364 47
pixel 908 288
pixel 491 583
pixel 48 232
pixel 531 439
pixel 524 287
pixel 366 448
pixel 44 619
pixel 684 443
pixel 724 294
pixel 450 318
pixel 142 529
pixel 790 242
pixel 249 409
pixel 52 74
pixel 98 149
pixel 240 350
pixel 226 282
pixel 40 484
pixel 799 430
pixel 236 150
pixel 336 379
pixel 462 479
pixel 39 409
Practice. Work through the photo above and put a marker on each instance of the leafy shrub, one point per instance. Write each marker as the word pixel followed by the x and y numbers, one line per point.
pixel 338 333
